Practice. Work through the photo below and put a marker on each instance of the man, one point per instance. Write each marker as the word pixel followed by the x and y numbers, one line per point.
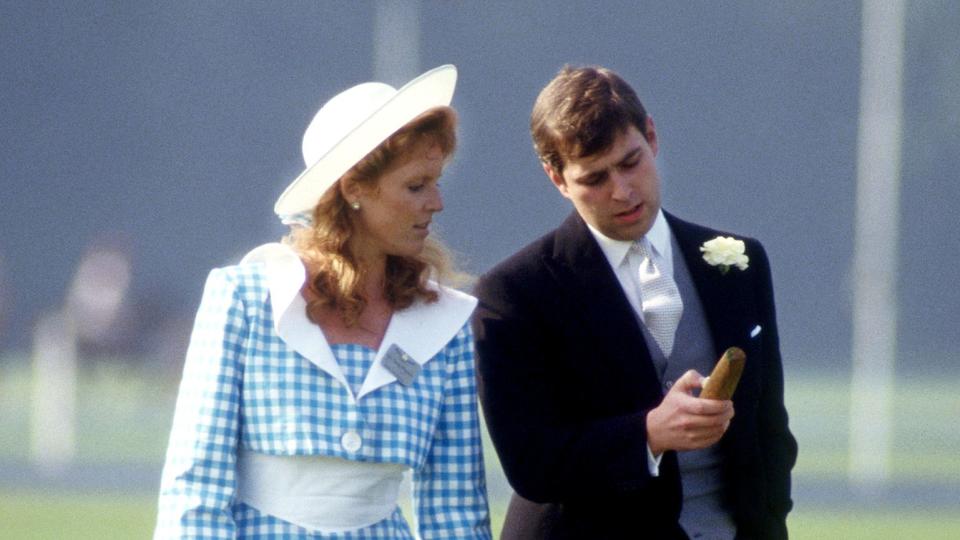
pixel 593 341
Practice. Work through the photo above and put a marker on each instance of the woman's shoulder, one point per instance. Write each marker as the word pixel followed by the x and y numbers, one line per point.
pixel 450 302
pixel 254 273
pixel 444 318
pixel 270 256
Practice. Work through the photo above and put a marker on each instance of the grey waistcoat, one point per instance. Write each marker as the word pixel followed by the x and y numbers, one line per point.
pixel 703 515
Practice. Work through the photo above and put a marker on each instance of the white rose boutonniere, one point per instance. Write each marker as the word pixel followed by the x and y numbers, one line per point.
pixel 724 252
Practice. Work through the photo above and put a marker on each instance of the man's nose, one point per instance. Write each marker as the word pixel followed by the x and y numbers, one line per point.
pixel 622 189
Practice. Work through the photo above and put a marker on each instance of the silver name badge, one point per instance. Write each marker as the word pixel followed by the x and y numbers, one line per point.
pixel 401 365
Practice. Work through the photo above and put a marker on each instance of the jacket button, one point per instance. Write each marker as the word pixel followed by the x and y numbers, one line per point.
pixel 351 441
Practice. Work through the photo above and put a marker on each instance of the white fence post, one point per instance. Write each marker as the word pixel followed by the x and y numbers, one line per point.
pixel 396 41
pixel 875 244
pixel 54 394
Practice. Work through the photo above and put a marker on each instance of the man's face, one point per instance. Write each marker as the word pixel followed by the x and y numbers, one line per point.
pixel 616 191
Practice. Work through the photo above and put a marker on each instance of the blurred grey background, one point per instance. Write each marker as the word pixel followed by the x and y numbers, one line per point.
pixel 166 130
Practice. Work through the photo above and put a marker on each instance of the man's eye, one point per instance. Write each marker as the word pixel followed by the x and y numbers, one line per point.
pixel 415 187
pixel 592 180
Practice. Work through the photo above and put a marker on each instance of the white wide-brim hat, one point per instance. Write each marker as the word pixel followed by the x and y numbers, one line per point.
pixel 352 124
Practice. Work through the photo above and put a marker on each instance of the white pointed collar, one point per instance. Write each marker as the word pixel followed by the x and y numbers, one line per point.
pixel 420 330
pixel 658 236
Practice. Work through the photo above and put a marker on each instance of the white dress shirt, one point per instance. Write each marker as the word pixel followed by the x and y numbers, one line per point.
pixel 625 263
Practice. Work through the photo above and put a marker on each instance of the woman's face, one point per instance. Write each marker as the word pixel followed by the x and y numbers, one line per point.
pixel 394 217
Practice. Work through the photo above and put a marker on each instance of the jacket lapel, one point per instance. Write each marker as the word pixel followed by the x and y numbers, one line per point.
pixel 722 296
pixel 587 280
pixel 421 331
pixel 285 276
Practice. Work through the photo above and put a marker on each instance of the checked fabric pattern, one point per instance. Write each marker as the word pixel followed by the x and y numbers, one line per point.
pixel 242 386
pixel 660 298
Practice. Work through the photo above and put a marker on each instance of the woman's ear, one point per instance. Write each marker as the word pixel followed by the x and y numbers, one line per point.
pixel 349 190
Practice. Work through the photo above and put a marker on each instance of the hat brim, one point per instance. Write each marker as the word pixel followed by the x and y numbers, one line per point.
pixel 430 90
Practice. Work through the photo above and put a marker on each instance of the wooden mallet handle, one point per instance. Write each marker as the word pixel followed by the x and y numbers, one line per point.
pixel 726 374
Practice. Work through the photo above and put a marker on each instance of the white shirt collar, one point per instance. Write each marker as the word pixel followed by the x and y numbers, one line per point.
pixel 659 237
pixel 420 330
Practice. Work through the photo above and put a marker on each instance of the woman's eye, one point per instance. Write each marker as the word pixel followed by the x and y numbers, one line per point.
pixel 415 187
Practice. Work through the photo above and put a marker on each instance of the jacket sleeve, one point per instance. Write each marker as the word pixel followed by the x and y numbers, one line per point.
pixel 778 446
pixel 198 481
pixel 549 452
pixel 450 493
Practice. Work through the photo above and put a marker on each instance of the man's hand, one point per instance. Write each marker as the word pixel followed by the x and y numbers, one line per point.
pixel 684 422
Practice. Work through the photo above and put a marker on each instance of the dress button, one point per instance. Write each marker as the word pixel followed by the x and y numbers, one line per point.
pixel 351 441
pixel 668 384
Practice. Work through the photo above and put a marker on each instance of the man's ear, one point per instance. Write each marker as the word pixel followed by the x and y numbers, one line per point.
pixel 651 135
pixel 556 178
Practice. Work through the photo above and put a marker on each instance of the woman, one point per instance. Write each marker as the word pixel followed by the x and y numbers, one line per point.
pixel 322 368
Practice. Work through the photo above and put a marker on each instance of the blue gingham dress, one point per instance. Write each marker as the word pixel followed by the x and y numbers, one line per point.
pixel 242 385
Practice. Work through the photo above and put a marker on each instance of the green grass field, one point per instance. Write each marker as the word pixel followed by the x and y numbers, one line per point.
pixel 55 516
pixel 78 516
pixel 123 417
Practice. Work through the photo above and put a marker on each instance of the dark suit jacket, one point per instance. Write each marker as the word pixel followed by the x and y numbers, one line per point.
pixel 566 382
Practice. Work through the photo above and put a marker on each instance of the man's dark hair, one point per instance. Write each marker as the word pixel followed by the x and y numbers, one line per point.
pixel 581 112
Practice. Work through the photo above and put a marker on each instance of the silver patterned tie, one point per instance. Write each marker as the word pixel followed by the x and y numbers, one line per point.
pixel 659 297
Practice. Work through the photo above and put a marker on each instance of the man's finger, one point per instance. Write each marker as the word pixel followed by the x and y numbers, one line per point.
pixel 708 407
pixel 690 381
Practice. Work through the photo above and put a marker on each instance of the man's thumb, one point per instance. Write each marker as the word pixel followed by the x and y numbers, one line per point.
pixel 690 381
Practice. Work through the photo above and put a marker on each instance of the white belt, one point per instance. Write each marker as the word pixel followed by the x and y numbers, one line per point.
pixel 321 493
